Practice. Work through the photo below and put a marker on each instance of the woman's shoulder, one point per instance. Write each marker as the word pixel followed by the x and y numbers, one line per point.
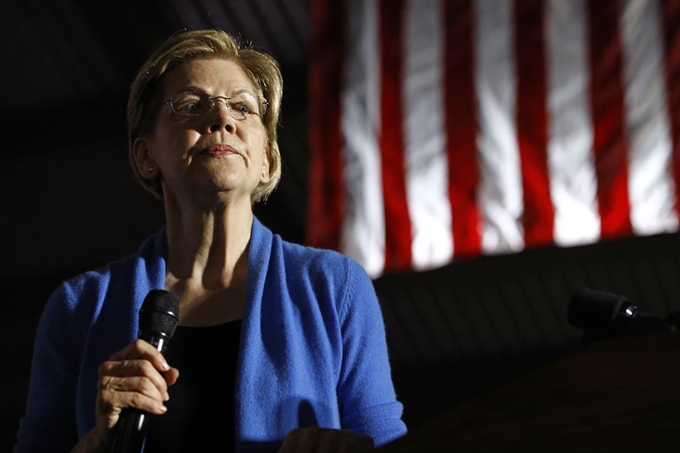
pixel 299 255
pixel 96 280
pixel 89 284
pixel 337 272
pixel 314 258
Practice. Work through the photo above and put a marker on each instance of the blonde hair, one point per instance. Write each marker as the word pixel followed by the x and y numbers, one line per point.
pixel 262 70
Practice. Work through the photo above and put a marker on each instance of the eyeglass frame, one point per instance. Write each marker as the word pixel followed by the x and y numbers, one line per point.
pixel 263 104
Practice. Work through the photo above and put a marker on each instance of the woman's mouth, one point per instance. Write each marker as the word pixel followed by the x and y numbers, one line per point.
pixel 218 150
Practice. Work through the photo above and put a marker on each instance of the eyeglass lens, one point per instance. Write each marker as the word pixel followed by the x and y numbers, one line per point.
pixel 240 106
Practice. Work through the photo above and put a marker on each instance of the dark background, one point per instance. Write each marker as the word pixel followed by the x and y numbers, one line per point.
pixel 69 203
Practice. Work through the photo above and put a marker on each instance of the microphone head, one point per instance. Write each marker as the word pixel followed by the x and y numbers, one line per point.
pixel 597 310
pixel 159 314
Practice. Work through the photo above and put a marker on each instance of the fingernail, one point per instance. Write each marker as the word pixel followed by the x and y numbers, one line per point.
pixel 166 396
pixel 162 408
pixel 165 366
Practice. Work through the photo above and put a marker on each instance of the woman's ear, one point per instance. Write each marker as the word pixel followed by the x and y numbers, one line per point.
pixel 264 179
pixel 146 164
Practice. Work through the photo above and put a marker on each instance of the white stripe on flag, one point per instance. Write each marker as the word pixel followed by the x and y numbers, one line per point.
pixel 651 186
pixel 500 194
pixel 363 230
pixel 425 154
pixel 573 184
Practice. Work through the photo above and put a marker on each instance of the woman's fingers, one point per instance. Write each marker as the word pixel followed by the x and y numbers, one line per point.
pixel 142 385
pixel 136 377
pixel 140 349
pixel 133 375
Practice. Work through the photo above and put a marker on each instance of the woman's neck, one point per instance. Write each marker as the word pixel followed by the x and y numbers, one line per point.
pixel 207 245
pixel 207 263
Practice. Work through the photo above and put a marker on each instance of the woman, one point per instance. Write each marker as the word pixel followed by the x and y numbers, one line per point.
pixel 280 347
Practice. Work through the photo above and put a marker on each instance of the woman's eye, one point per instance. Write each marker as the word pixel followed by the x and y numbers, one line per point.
pixel 241 107
pixel 190 105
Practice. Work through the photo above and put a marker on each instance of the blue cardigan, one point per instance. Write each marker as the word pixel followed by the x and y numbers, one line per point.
pixel 313 348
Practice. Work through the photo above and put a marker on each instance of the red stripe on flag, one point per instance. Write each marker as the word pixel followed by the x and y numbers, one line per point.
pixel 532 124
pixel 461 127
pixel 326 201
pixel 670 20
pixel 397 220
pixel 607 104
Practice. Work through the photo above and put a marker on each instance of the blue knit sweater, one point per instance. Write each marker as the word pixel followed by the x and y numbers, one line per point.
pixel 313 349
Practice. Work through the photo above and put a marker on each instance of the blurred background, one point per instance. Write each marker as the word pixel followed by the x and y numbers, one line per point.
pixel 475 266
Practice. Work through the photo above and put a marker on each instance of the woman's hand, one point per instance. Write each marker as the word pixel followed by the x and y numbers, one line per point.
pixel 135 377
pixel 325 440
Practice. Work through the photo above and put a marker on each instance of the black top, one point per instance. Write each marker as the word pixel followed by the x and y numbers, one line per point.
pixel 200 415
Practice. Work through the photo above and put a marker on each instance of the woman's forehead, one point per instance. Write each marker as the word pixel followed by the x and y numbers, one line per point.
pixel 213 75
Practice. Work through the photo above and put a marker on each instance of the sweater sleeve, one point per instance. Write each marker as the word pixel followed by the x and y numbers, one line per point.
pixel 366 393
pixel 49 423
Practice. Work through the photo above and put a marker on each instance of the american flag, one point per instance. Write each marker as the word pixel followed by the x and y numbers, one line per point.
pixel 449 129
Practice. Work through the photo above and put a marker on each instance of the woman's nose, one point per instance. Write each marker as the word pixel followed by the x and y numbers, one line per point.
pixel 219 117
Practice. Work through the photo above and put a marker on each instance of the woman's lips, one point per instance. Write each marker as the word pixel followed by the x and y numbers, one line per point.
pixel 219 150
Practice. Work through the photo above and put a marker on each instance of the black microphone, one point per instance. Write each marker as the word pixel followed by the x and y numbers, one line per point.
pixel 158 318
pixel 601 314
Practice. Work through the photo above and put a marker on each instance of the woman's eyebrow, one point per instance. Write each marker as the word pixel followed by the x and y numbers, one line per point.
pixel 195 89
pixel 243 90
pixel 189 89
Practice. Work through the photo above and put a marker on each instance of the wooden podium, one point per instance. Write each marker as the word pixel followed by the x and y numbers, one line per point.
pixel 613 395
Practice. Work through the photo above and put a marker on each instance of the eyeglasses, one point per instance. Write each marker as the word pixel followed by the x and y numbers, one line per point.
pixel 240 106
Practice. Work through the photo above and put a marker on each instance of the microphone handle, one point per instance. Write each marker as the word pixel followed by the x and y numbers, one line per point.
pixel 130 432
pixel 132 425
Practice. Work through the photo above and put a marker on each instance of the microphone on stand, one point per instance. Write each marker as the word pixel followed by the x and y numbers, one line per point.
pixel 158 318
pixel 600 314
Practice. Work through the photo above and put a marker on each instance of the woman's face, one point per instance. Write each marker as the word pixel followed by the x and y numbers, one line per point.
pixel 211 152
